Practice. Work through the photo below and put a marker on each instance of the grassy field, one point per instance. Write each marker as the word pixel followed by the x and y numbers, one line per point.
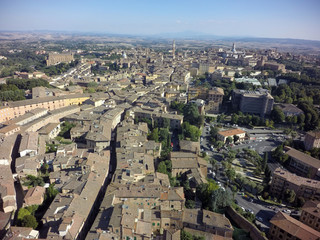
pixel 245 168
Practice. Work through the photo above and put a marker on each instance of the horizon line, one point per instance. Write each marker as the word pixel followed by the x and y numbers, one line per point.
pixel 196 34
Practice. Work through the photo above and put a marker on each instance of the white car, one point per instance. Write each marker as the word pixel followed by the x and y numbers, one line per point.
pixel 286 211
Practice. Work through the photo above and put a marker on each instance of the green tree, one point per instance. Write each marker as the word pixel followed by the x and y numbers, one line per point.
pixel 191 114
pixel 154 135
pixel 22 213
pixel 65 129
pixel 234 118
pixel 277 115
pixel 301 119
pixel 29 221
pixel 32 209
pixel 220 199
pixel 264 161
pixel 44 168
pixel 162 168
pixel 177 106
pixel 267 175
pixel 231 173
pixel 289 195
pixel 51 192
pixel 300 201
pixel 190 203
pixel 33 181
pixel 229 140
pixel 185 235
pixel 191 131
pixel 235 138
pixel 219 144
pixel 166 123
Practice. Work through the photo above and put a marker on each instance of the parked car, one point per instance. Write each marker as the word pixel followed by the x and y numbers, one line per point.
pixel 286 211
pixel 259 219
pixel 249 210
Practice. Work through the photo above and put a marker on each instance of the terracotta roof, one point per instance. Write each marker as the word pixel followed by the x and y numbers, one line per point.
pixel 302 157
pixel 294 227
pixel 312 207
pixel 314 134
pixel 231 132
pixel 35 191
pixel 9 128
pixel 294 179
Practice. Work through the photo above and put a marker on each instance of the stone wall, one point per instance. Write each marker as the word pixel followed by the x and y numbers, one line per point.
pixel 245 224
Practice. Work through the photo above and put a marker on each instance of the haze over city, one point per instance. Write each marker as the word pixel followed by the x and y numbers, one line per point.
pixel 159 120
pixel 271 19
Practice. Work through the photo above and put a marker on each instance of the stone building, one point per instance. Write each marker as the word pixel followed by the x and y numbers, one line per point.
pixel 55 58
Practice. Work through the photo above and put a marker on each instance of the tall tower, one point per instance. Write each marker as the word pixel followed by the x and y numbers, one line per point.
pixel 233 47
pixel 173 49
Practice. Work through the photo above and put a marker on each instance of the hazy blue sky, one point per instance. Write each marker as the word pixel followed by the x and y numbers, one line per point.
pixel 259 18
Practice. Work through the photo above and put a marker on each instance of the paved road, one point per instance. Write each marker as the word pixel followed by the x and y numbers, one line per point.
pixel 263 142
pixel 259 209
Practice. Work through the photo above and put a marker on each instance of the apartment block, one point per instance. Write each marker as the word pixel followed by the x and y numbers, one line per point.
pixel 55 58
pixel 310 214
pixel 175 120
pixel 258 102
pixel 312 140
pixel 303 187
pixel 19 108
pixel 303 164
pixel 285 227
pixel 214 100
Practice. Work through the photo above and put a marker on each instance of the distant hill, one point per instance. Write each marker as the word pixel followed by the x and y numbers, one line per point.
pixel 186 39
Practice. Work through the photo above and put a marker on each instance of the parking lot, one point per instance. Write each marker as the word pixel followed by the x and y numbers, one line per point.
pixel 261 142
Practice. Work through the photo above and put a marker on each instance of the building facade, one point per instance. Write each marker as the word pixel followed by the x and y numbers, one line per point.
pixel 285 227
pixel 303 164
pixel 55 58
pixel 215 98
pixel 258 102
pixel 310 214
pixel 312 140
pixel 223 135
pixel 303 187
